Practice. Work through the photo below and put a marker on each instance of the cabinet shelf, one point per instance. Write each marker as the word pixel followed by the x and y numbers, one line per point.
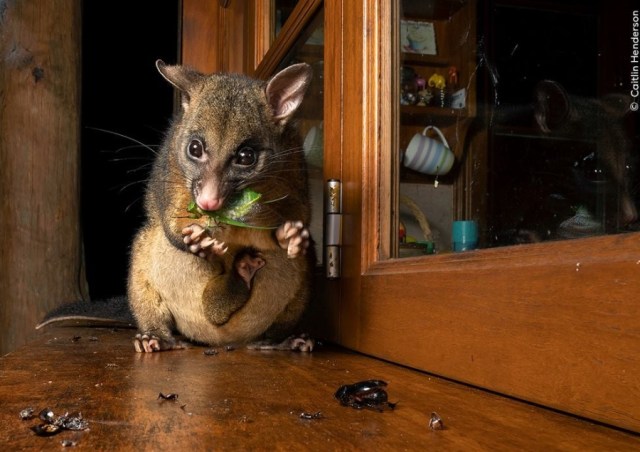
pixel 531 133
pixel 415 115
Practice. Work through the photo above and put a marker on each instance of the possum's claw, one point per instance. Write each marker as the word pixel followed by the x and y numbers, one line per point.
pixel 146 344
pixel 149 343
pixel 200 243
pixel 293 237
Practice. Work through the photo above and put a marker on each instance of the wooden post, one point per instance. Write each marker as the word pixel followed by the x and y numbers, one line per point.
pixel 41 260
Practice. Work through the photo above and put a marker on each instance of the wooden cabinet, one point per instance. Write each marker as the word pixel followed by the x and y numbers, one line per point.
pixel 555 323
pixel 438 86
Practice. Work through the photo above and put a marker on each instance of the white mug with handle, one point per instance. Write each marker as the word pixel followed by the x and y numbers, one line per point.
pixel 428 155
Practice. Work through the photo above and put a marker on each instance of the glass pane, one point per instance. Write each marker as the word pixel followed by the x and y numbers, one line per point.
pixel 309 48
pixel 515 123
pixel 283 10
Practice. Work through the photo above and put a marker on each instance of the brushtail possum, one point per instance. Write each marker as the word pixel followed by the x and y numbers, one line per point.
pixel 205 264
pixel 214 282
pixel 558 112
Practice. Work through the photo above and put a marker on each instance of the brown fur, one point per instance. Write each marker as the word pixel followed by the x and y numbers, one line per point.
pixel 171 288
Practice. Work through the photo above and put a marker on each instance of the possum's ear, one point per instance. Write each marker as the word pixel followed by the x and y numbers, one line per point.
pixel 181 77
pixel 286 89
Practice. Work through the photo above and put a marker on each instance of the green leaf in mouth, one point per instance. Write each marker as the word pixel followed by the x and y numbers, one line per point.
pixel 233 213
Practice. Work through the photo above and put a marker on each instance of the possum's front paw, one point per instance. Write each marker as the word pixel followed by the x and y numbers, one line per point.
pixel 200 243
pixel 293 237
pixel 149 343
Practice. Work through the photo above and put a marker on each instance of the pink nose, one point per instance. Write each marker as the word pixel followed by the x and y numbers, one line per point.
pixel 209 204
pixel 208 195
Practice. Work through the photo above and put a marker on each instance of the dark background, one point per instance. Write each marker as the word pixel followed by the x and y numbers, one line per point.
pixel 123 94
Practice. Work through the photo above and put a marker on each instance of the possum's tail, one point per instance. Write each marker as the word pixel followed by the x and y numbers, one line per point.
pixel 112 312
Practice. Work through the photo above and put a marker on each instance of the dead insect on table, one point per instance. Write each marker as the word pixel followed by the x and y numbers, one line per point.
pixel 168 396
pixel 365 394
pixel 77 422
pixel 26 414
pixel 435 423
pixel 311 416
pixel 55 424
pixel 46 429
pixel 47 416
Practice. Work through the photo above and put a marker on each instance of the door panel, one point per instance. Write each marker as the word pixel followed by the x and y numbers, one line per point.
pixel 552 322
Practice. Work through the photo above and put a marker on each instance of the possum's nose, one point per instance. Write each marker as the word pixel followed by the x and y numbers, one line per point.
pixel 210 204
pixel 208 196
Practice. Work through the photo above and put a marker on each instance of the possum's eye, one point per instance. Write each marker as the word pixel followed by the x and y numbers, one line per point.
pixel 245 156
pixel 195 149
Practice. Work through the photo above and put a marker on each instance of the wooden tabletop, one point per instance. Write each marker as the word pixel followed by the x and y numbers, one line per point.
pixel 249 400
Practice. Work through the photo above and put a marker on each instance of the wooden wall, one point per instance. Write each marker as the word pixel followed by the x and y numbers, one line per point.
pixel 41 264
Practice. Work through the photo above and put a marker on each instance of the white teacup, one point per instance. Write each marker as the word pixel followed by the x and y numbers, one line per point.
pixel 428 155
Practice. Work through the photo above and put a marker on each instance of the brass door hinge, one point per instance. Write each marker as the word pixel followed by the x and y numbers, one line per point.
pixel 333 229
